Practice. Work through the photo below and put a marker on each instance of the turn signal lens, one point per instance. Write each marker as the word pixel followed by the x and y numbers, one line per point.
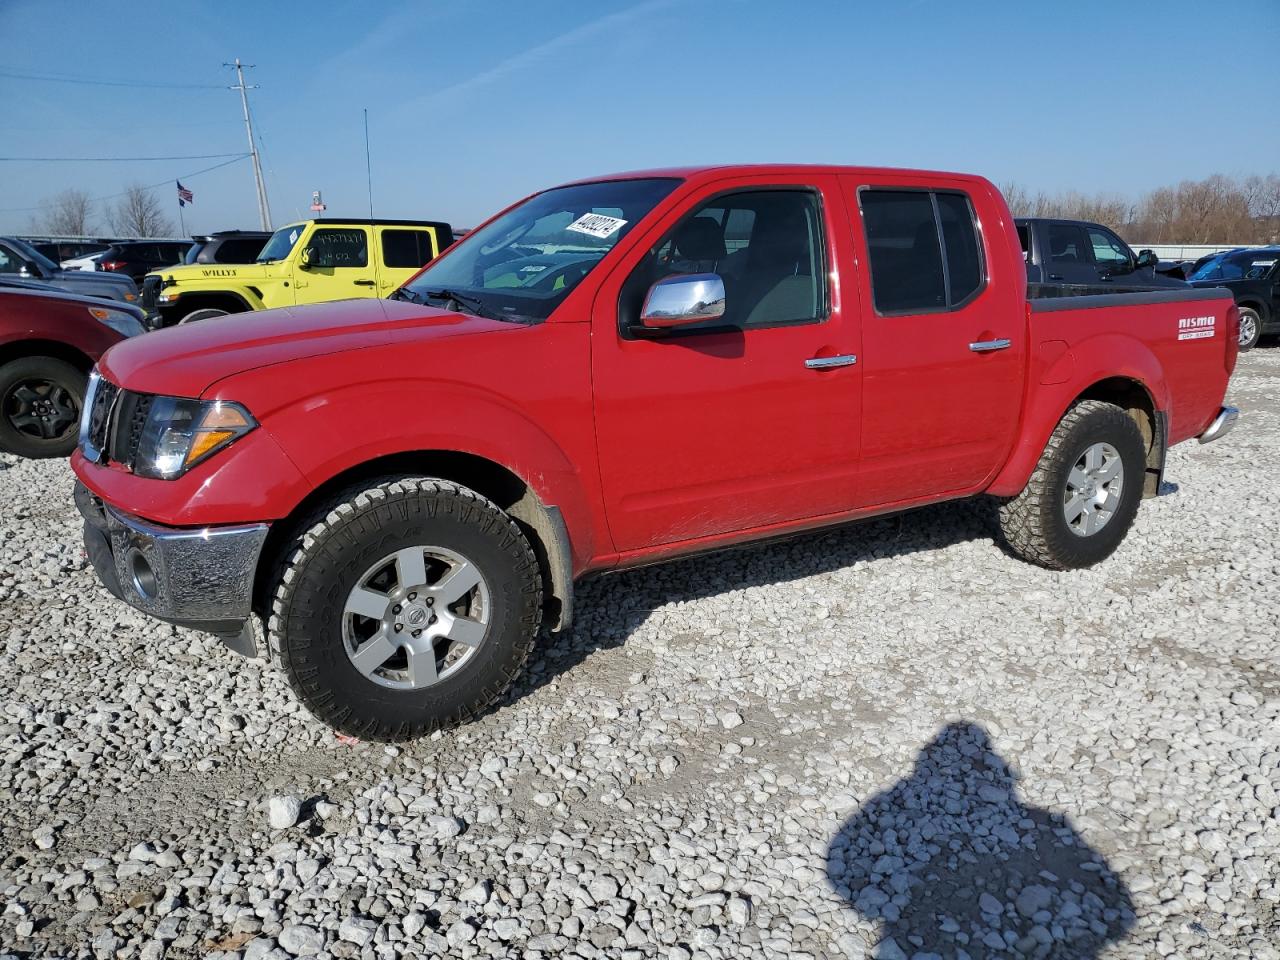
pixel 222 424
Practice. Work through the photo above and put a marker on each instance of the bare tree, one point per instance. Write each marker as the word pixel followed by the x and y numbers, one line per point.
pixel 139 214
pixel 66 215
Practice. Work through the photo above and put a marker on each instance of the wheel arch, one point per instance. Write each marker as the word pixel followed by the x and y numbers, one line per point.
pixel 1258 306
pixel 229 300
pixel 34 347
pixel 542 523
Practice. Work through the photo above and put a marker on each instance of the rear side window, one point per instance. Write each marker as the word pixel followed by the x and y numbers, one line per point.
pixel 339 248
pixel 925 252
pixel 1068 243
pixel 406 248
pixel 244 250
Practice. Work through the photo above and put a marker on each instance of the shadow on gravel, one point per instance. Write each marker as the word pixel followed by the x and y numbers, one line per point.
pixel 951 863
pixel 608 609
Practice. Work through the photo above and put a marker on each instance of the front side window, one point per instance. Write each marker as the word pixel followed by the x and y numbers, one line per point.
pixel 1068 244
pixel 332 247
pixel 406 248
pixel 924 248
pixel 527 261
pixel 1108 251
pixel 767 247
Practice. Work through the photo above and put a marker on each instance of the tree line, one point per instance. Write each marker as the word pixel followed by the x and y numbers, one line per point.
pixel 1217 209
pixel 135 213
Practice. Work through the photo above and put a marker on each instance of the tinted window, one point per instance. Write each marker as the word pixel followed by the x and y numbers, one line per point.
pixel 406 248
pixel 241 250
pixel 339 248
pixel 906 260
pixel 1107 248
pixel 961 246
pixel 1247 265
pixel 1067 243
pixel 767 247
pixel 8 262
pixel 1024 241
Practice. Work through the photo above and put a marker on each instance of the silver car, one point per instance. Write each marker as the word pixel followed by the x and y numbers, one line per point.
pixel 19 259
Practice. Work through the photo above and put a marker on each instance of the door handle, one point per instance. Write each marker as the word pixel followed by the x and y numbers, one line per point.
pixel 987 346
pixel 363 283
pixel 826 363
pixel 1055 276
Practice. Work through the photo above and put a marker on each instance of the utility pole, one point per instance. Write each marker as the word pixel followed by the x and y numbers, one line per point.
pixel 264 211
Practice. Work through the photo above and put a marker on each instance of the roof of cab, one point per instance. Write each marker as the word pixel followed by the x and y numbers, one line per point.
pixel 715 171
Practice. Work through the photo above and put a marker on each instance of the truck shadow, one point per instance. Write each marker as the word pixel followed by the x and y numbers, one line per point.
pixel 949 860
pixel 609 609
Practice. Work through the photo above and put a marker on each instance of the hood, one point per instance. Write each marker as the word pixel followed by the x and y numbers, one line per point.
pixel 219 271
pixel 186 360
pixel 99 277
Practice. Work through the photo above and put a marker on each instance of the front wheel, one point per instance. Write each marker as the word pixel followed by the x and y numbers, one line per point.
pixel 408 607
pixel 1250 328
pixel 203 314
pixel 40 402
pixel 1083 495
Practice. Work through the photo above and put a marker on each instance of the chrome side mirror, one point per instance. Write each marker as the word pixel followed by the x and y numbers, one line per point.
pixel 682 299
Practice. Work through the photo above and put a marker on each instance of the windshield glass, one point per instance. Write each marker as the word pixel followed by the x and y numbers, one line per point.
pixel 523 264
pixel 31 253
pixel 1245 265
pixel 281 242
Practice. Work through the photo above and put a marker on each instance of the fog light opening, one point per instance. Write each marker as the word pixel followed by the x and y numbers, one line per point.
pixel 144 578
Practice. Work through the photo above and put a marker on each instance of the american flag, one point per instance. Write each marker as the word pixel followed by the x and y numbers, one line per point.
pixel 185 196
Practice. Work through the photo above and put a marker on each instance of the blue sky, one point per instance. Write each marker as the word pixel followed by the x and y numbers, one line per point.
pixel 473 104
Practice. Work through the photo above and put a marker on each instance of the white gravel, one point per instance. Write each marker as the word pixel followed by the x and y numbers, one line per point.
pixel 892 741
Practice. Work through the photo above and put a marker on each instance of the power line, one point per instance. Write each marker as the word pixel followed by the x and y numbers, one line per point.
pixel 197 156
pixel 153 186
pixel 55 78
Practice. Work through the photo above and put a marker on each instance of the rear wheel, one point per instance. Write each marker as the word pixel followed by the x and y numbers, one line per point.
pixel 409 606
pixel 203 314
pixel 1250 328
pixel 40 403
pixel 1083 495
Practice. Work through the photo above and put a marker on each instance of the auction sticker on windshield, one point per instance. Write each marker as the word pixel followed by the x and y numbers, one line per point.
pixel 597 225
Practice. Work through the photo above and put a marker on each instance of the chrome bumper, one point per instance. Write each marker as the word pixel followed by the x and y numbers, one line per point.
pixel 195 578
pixel 1222 424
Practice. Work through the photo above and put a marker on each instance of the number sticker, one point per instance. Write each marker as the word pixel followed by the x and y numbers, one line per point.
pixel 597 225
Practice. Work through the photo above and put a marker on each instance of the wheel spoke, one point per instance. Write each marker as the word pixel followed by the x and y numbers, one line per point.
pixel 466 631
pixel 1093 458
pixel 374 653
pixel 1076 479
pixel 1074 507
pixel 1110 503
pixel 457 583
pixel 422 664
pixel 367 603
pixel 411 567
pixel 26 393
pixel 1110 470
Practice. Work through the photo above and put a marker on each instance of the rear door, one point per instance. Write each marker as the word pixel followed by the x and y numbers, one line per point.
pixel 403 251
pixel 339 267
pixel 943 339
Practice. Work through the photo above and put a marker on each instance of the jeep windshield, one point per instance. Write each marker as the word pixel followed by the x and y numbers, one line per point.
pixel 281 243
pixel 523 264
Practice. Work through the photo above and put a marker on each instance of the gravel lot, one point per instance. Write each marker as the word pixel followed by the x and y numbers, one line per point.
pixel 891 740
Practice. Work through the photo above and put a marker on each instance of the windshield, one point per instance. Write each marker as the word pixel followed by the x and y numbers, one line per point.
pixel 524 264
pixel 281 242
pixel 31 253
pixel 1244 265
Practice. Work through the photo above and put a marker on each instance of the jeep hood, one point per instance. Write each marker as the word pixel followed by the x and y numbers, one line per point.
pixel 186 360
pixel 213 272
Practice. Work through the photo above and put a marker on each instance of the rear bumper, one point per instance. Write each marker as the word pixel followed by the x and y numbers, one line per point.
pixel 1222 424
pixel 201 578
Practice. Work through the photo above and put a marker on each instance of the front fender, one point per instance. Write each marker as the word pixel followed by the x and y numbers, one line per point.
pixel 1057 379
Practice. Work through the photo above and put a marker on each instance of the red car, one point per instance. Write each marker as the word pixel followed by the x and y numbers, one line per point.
pixel 48 343
pixel 612 373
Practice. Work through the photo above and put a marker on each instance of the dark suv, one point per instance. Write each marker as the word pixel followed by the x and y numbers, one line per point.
pixel 227 246
pixel 1253 277
pixel 137 258
pixel 1073 257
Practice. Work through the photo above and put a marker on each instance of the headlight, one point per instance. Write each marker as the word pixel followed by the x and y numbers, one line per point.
pixel 125 324
pixel 178 434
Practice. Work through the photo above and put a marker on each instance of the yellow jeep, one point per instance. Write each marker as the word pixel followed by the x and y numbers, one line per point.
pixel 307 262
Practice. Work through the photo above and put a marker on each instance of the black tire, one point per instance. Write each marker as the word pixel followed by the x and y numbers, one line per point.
pixel 1250 319
pixel 203 313
pixel 307 628
pixel 1034 523
pixel 40 403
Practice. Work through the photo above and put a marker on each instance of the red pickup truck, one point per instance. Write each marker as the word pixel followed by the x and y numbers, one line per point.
pixel 611 373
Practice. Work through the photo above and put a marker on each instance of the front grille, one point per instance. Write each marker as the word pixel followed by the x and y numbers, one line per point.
pixel 150 293
pixel 101 405
pixel 116 421
pixel 130 418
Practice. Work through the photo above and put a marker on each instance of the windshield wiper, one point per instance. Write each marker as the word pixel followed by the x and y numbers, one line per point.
pixel 474 305
pixel 404 293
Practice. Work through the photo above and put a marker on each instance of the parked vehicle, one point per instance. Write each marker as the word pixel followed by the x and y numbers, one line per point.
pixel 49 340
pixel 1253 277
pixel 60 251
pixel 1073 257
pixel 19 259
pixel 88 262
pixel 308 262
pixel 137 258
pixel 594 380
pixel 227 246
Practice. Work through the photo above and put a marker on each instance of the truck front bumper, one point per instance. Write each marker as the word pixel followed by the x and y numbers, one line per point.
pixel 1222 424
pixel 201 578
